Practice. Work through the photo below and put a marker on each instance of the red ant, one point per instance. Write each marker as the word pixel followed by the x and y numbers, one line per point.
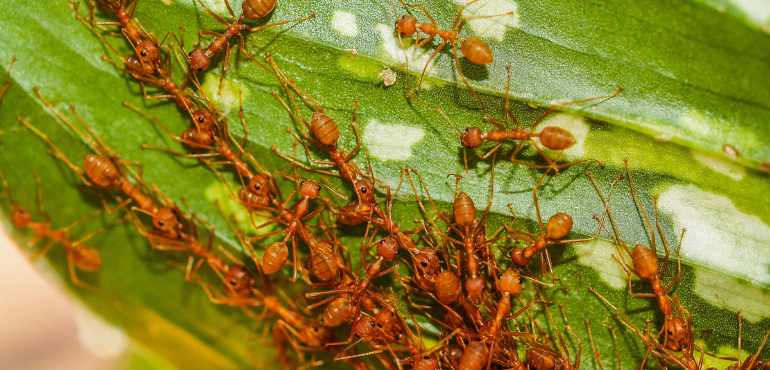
pixel 558 227
pixel 541 357
pixel 199 59
pixel 124 18
pixel 105 170
pixel 473 49
pixel 553 138
pixel 645 266
pixel 79 256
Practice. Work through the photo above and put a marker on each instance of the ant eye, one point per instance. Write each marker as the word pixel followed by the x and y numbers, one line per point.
pixel 371 323
pixel 670 332
pixel 499 276
pixel 315 328
pixel 363 189
pixel 424 264
pixel 319 187
pixel 232 283
pixel 467 129
pixel 144 53
pixel 301 183
pixel 200 119
pixel 426 358
pixel 397 252
pixel 257 186
pixel 521 280
pixel 379 325
pixel 200 69
pixel 161 223
pixel 465 341
pixel 189 54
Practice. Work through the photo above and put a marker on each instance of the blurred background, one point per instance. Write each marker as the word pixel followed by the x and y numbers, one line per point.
pixel 38 323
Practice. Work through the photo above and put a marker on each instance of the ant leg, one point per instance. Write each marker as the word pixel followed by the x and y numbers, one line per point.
pixel 74 276
pixel 459 15
pixel 220 19
pixel 7 81
pixel 470 88
pixel 433 21
pixel 48 245
pixel 255 29
pixel 55 151
pixel 227 62
pixel 646 219
pixel 593 347
pixel 427 63
pixel 40 205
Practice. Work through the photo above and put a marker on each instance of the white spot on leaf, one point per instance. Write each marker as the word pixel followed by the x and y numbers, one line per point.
pixel 388 141
pixel 98 336
pixel 757 11
pixel 734 171
pixel 226 97
pixel 732 294
pixel 388 77
pixel 492 27
pixel 719 236
pixel 417 58
pixel 216 6
pixel 345 23
pixel 598 254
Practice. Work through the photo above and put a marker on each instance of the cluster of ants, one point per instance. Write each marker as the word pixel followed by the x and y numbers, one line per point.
pixel 452 263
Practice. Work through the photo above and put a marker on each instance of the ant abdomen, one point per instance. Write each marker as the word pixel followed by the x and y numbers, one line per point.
pixel 322 263
pixel 324 129
pixel 86 258
pixel 254 9
pixel 559 225
pixel 100 170
pixel 275 257
pixel 476 51
pixel 541 359
pixel 556 138
pixel 448 288
pixel 464 210
pixel 474 356
pixel 337 312
pixel 645 262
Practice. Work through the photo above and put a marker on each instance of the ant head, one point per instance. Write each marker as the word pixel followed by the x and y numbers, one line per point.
pixel 510 282
pixel 148 52
pixel 21 217
pixel 388 248
pixel 260 184
pixel 427 362
pixel 199 60
pixel 165 219
pixel 86 258
pixel 407 25
pixel 238 278
pixel 365 191
pixel 324 129
pixel 427 259
pixel 198 136
pixel 559 225
pixel 316 335
pixel 364 327
pixel 202 119
pixel 675 334
pixel 309 189
pixel 471 138
pixel 464 210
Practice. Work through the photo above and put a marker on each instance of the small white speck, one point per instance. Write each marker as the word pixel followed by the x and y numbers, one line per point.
pixel 663 137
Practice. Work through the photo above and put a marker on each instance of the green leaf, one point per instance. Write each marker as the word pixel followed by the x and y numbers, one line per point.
pixel 691 74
